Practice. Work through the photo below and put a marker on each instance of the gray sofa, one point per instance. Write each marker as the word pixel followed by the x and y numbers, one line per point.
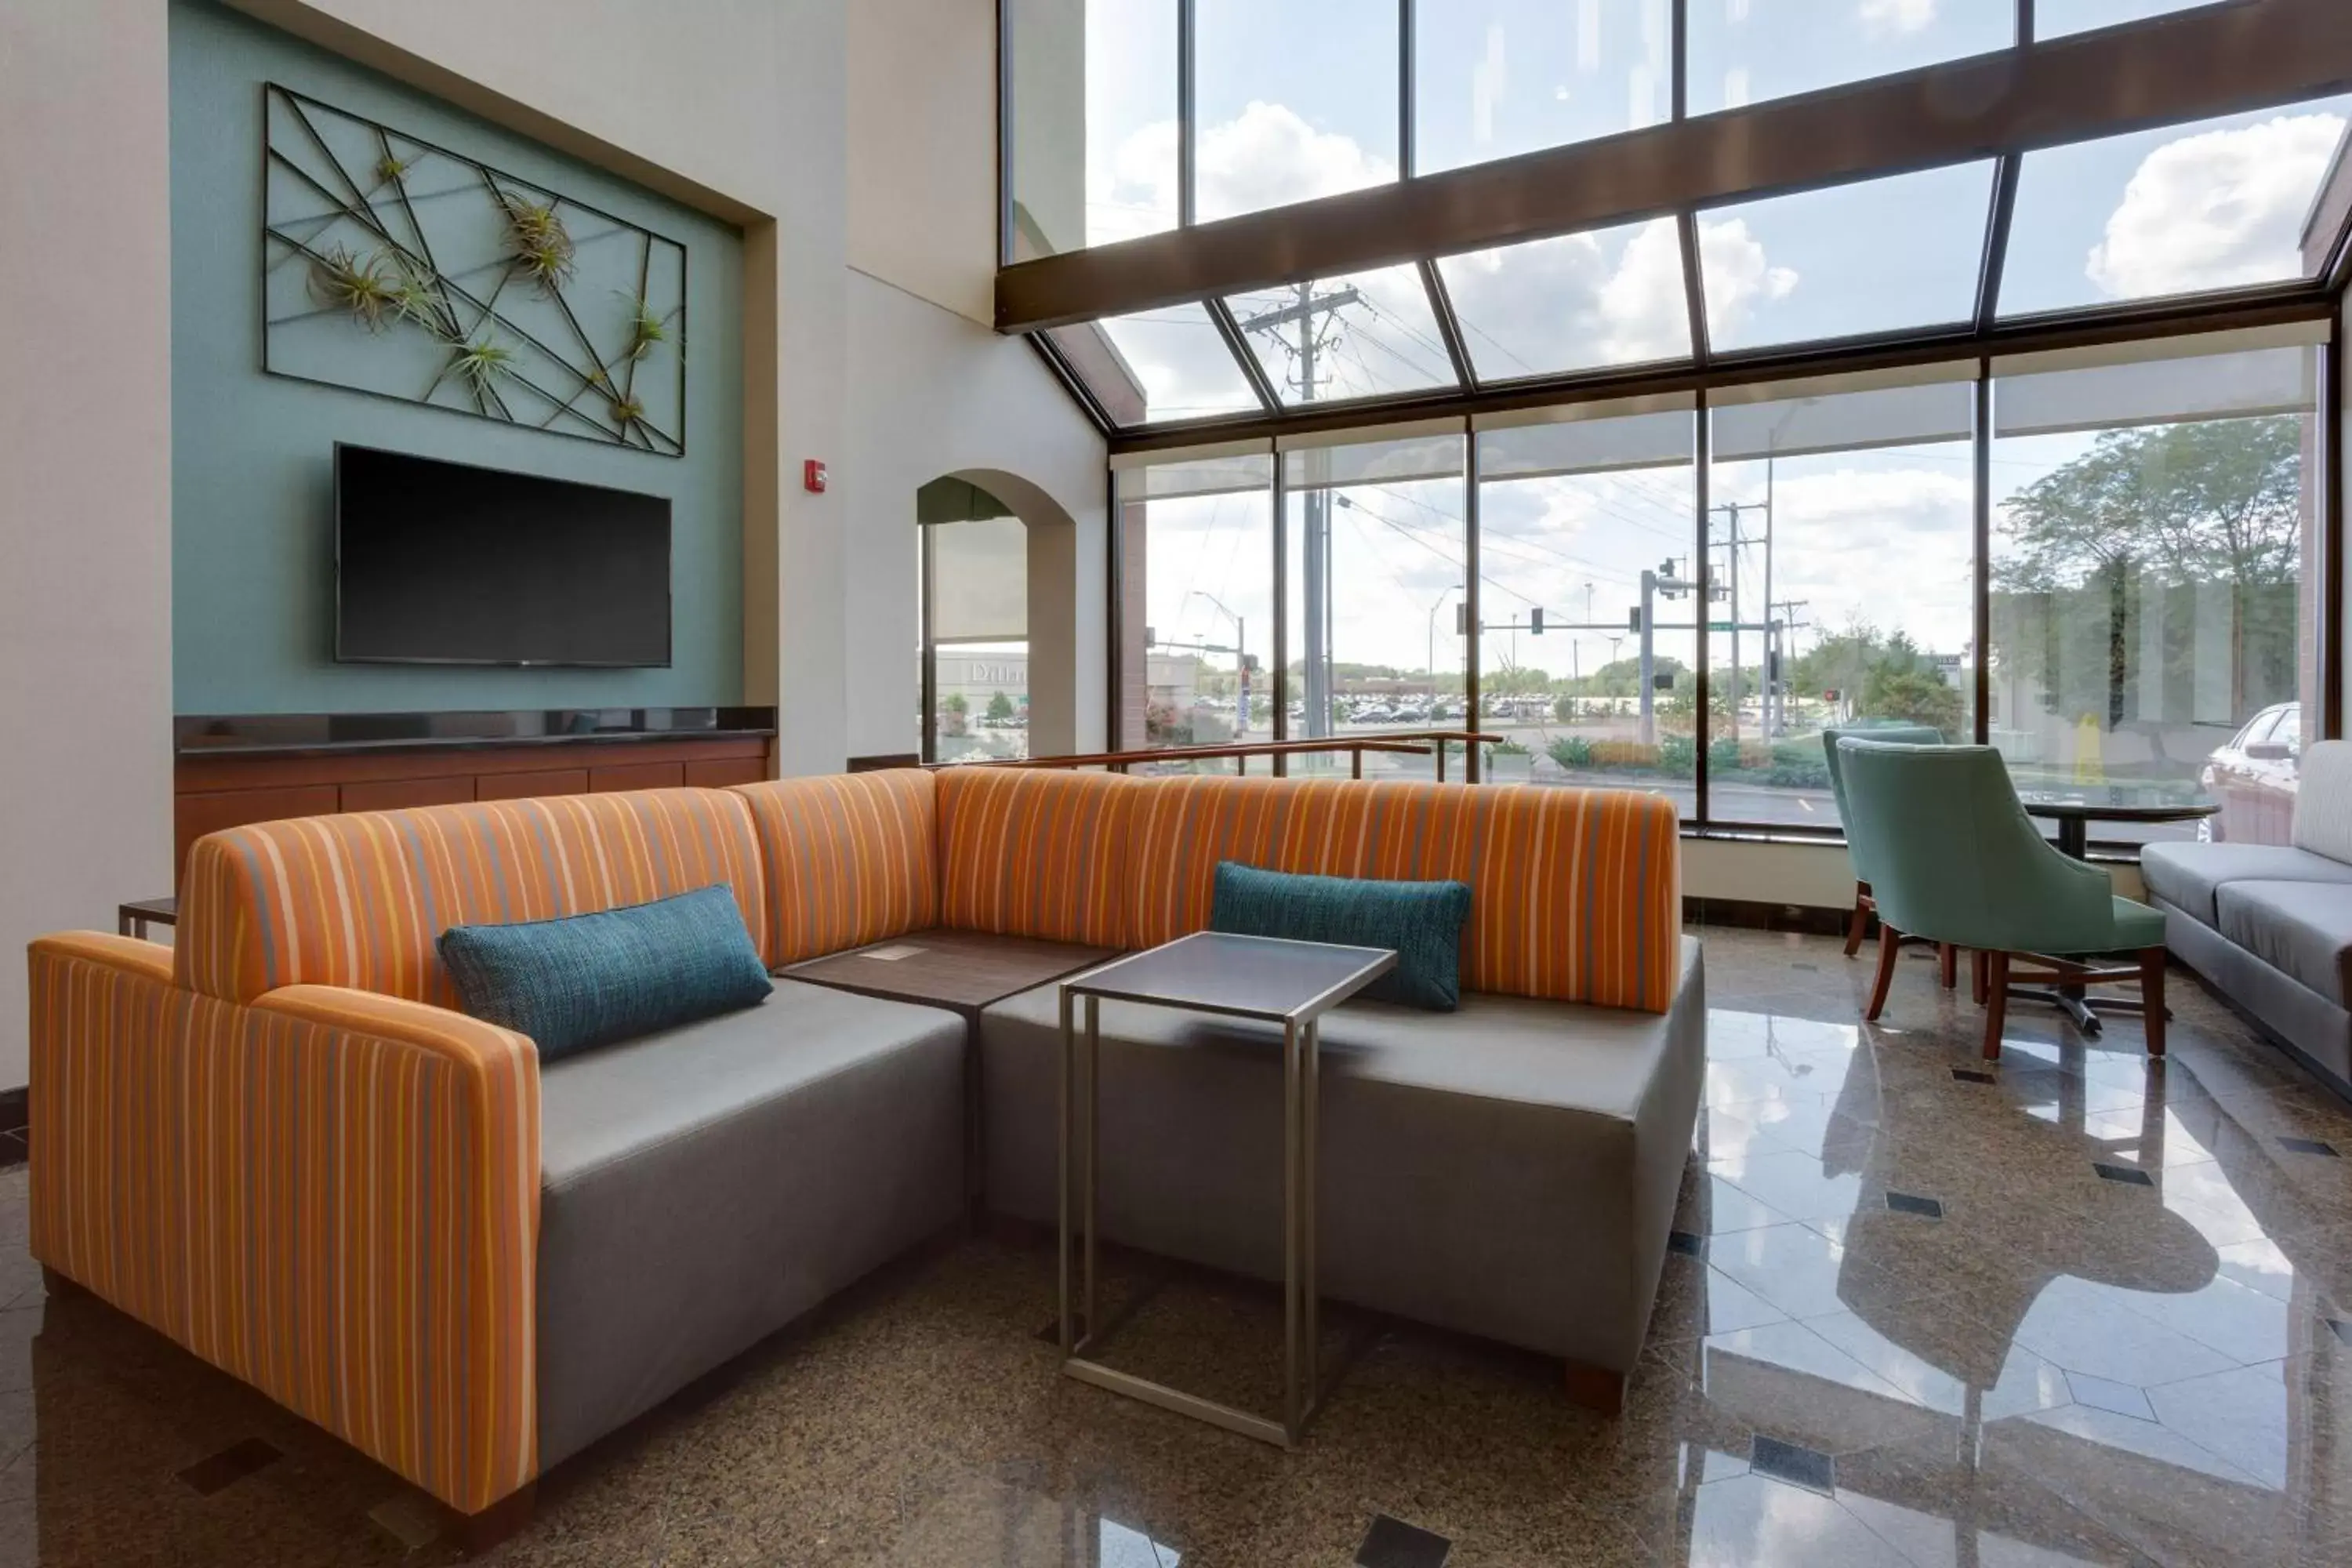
pixel 703 1185
pixel 2271 925
pixel 1508 1170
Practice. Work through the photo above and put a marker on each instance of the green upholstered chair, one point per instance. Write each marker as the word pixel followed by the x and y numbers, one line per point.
pixel 1952 858
pixel 1893 735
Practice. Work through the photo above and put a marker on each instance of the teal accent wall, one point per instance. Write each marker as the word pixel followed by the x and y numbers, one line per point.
pixel 253 454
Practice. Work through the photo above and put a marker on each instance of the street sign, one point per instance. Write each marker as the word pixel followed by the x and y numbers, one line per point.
pixel 1718 626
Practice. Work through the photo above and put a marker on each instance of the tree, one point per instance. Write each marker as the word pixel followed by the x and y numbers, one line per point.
pixel 1914 697
pixel 1000 707
pixel 955 712
pixel 2138 532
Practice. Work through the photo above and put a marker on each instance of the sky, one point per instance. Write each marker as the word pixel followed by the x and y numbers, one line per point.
pixel 1298 100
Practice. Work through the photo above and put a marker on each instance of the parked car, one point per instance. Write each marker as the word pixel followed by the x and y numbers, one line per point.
pixel 2254 775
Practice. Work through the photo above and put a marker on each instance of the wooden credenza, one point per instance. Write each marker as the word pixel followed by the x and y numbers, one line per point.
pixel 225 786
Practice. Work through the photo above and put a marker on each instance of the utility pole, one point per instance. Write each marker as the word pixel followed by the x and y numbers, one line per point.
pixel 1315 315
pixel 1785 653
pixel 1732 576
pixel 1660 583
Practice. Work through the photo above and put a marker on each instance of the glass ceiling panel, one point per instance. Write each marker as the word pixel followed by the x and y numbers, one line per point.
pixel 1494 79
pixel 2220 203
pixel 1297 99
pixel 1744 51
pixel 1156 366
pixel 1369 334
pixel 2055 18
pixel 1876 256
pixel 1581 301
pixel 1094 122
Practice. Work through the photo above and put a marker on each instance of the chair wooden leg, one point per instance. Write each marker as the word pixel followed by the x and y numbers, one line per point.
pixel 1976 961
pixel 1948 965
pixel 1996 1002
pixel 1890 945
pixel 1861 923
pixel 2151 997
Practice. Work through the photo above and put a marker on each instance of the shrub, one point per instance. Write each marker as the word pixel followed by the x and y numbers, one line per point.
pixel 1573 753
pixel 1797 764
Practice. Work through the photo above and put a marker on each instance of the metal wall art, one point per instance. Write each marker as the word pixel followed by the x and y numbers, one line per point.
pixel 396 267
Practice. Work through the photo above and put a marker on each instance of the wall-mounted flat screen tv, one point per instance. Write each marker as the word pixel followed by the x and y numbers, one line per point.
pixel 440 563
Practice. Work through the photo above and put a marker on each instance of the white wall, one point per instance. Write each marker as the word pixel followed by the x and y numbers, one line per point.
pixel 85 476
pixel 932 393
pixel 922 149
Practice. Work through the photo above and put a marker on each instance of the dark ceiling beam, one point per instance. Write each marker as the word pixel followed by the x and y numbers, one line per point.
pixel 2193 65
pixel 2128 323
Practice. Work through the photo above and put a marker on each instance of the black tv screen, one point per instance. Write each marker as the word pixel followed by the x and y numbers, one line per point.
pixel 445 564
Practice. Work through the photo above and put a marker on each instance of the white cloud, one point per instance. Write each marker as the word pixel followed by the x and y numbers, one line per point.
pixel 1268 156
pixel 1898 17
pixel 1644 310
pixel 2216 210
pixel 1609 297
pixel 1738 274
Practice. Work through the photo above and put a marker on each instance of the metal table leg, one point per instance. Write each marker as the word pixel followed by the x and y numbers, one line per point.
pixel 1083 1331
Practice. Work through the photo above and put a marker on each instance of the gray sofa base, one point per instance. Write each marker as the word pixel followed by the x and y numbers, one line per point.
pixel 2309 1026
pixel 704 1186
pixel 1508 1171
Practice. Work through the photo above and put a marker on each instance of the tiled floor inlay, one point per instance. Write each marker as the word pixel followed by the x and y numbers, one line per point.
pixel 2084 1310
pixel 1393 1543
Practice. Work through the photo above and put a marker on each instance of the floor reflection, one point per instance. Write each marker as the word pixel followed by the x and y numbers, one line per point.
pixel 2110 1324
pixel 1906 1320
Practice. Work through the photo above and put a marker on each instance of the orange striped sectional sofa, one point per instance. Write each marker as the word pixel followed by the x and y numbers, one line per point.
pixel 278 1144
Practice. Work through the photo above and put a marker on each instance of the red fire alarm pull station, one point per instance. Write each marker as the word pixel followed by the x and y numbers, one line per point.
pixel 812 476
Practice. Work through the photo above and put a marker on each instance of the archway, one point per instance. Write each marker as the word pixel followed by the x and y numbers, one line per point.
pixel 998 596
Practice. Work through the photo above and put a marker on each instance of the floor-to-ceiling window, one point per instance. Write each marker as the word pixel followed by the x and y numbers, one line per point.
pixel 2157 514
pixel 1841 540
pixel 1724 469
pixel 1376 548
pixel 1196 603
pixel 1587 603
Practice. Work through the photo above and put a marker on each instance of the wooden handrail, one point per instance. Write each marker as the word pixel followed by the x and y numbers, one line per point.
pixel 1418 742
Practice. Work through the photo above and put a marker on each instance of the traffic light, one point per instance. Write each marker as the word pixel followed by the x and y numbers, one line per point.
pixel 1534 621
pixel 1634 620
pixel 1461 617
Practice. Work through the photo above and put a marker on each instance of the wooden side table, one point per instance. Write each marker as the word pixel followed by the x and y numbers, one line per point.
pixel 134 918
pixel 965 972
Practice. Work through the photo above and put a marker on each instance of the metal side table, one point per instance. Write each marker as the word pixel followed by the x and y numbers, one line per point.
pixel 1288 983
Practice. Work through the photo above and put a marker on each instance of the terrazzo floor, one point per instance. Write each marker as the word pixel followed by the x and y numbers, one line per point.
pixel 2075 1309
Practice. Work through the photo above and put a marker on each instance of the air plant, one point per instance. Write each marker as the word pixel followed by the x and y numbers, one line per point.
pixel 389 170
pixel 416 297
pixel 646 329
pixel 370 288
pixel 538 243
pixel 481 363
pixel 628 411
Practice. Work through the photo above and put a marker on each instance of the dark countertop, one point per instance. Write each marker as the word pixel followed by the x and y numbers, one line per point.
pixel 300 734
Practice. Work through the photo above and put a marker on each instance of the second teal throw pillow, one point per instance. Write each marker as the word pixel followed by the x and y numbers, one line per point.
pixel 1420 921
pixel 589 979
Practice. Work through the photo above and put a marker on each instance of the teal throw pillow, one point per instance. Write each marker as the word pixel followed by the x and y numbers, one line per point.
pixel 1421 921
pixel 589 979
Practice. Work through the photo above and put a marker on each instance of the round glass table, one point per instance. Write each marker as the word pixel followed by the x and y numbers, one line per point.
pixel 2075 807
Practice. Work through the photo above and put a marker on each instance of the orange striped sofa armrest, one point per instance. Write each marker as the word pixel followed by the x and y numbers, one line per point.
pixel 331 1195
pixel 848 860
